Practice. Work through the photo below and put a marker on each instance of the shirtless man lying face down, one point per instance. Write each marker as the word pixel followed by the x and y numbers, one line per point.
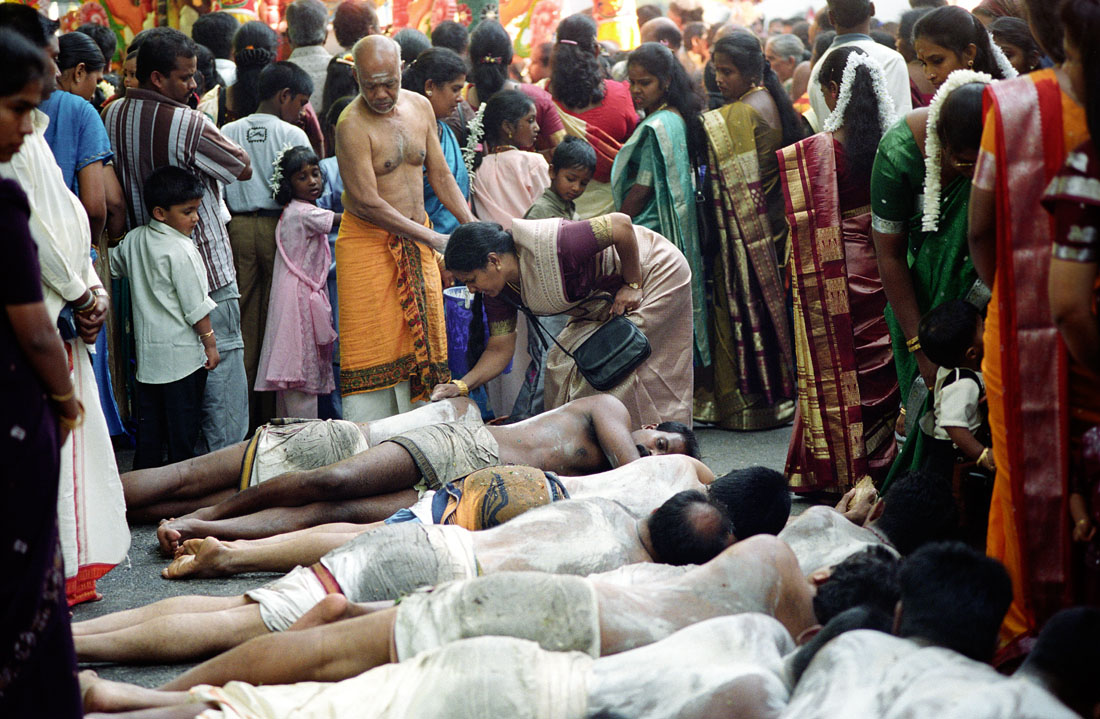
pixel 582 437
pixel 578 537
pixel 598 616
pixel 729 667
pixel 754 497
pixel 278 447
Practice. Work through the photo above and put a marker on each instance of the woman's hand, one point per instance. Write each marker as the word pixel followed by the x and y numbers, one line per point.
pixel 1084 531
pixel 627 299
pixel 89 323
pixel 445 391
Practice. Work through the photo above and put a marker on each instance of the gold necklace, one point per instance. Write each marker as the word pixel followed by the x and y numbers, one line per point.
pixel 502 148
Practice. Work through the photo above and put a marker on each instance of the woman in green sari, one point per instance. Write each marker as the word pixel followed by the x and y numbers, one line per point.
pixel 652 178
pixel 752 385
pixel 919 220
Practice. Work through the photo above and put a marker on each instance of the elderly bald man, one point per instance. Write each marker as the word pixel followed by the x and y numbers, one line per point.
pixel 392 334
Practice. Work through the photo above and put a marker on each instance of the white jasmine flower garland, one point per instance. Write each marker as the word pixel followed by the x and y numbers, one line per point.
pixel 1001 60
pixel 933 182
pixel 474 132
pixel 886 111
pixel 277 167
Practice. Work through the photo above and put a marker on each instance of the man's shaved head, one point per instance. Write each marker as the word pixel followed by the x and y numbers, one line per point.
pixel 378 71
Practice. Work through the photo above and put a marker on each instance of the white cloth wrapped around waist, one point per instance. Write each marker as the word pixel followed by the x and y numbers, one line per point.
pixel 559 612
pixel 289 446
pixel 470 679
pixel 377 565
pixel 394 560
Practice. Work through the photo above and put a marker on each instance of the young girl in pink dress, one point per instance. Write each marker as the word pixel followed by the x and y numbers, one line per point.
pixel 296 359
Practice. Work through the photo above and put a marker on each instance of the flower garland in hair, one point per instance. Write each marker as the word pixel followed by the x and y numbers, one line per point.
pixel 886 113
pixel 1001 59
pixel 933 183
pixel 277 170
pixel 474 132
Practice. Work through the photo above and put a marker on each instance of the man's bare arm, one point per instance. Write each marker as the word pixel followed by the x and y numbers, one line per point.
pixel 612 424
pixel 361 198
pixel 439 174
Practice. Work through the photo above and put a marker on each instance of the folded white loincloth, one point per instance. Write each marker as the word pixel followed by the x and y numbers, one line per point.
pixel 470 679
pixel 380 564
pixel 559 612
pixel 288 445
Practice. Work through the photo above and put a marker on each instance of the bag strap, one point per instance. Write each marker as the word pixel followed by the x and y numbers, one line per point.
pixel 540 331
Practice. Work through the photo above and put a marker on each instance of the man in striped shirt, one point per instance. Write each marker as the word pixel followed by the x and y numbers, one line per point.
pixel 153 127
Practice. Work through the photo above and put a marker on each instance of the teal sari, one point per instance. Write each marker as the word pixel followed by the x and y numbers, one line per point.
pixel 656 156
pixel 939 262
pixel 442 219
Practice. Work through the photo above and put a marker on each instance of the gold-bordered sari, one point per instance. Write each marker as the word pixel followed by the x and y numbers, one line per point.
pixel 752 385
pixel 847 390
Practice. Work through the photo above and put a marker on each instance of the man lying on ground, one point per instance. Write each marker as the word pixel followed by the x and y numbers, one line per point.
pixel 579 537
pixel 952 602
pixel 283 445
pixel 756 503
pixel 560 613
pixel 917 508
pixel 582 437
pixel 726 666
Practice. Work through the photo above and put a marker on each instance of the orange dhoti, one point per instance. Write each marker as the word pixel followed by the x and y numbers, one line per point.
pixel 391 311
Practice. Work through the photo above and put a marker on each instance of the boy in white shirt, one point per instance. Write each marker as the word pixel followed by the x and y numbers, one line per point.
pixel 171 313
pixel 951 336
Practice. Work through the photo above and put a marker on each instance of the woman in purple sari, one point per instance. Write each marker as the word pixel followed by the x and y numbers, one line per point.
pixel 37 662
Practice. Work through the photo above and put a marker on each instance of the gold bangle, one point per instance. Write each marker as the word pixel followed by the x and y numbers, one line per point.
pixel 902 411
pixel 204 335
pixel 71 423
pixel 463 388
pixel 913 344
pixel 63 397
pixel 983 455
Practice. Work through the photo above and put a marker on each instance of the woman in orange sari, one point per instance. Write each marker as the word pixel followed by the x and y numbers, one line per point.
pixel 847 388
pixel 1032 123
pixel 592 107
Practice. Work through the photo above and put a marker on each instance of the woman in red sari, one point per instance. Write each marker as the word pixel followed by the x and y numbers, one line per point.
pixel 1032 124
pixel 847 388
pixel 592 107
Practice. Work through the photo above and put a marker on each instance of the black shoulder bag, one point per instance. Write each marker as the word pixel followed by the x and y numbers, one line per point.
pixel 607 357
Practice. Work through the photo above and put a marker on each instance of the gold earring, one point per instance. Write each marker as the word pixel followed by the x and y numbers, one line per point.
pixel 970 64
pixel 428 93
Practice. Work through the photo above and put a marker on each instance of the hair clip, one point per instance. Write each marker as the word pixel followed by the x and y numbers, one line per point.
pixel 567 42
pixel 346 60
pixel 250 47
pixel 490 60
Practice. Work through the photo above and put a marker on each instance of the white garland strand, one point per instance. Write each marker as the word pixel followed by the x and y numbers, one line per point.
pixel 1001 60
pixel 474 132
pixel 933 182
pixel 277 170
pixel 886 113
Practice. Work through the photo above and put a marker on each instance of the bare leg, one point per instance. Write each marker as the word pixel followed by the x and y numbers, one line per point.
pixel 214 559
pixel 180 711
pixel 104 695
pixel 190 479
pixel 153 513
pixel 330 528
pixel 174 637
pixel 326 653
pixel 380 470
pixel 278 520
pixel 195 604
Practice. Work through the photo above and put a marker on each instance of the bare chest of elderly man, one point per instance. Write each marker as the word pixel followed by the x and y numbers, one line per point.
pixel 398 140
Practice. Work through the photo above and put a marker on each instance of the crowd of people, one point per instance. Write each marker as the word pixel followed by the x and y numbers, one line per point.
pixel 427 325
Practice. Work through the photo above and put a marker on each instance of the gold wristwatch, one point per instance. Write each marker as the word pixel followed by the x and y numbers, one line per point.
pixel 633 285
